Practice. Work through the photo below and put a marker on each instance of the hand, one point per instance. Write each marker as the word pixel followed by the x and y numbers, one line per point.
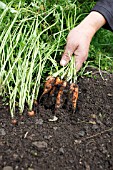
pixel 78 42
pixel 79 38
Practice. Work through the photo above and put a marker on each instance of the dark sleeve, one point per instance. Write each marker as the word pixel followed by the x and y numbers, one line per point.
pixel 105 7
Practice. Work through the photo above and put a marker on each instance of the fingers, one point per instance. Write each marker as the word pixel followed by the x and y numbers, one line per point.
pixel 69 50
pixel 80 53
pixel 80 58
pixel 78 44
pixel 66 57
pixel 79 62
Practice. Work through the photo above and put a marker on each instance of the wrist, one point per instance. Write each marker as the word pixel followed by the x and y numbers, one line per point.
pixel 92 23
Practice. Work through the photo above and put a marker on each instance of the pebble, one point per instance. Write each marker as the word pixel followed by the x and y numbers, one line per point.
pixel 40 144
pixel 53 119
pixel 110 95
pixel 93 116
pixel 95 127
pixel 15 156
pixel 8 168
pixel 61 150
pixel 81 133
pixel 55 128
pixel 92 122
pixel 99 122
pixel 16 167
pixel 86 128
pixel 2 132
pixel 47 137
pixel 39 121
pixel 71 161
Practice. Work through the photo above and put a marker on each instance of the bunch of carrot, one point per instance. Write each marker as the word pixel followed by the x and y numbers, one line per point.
pixel 53 84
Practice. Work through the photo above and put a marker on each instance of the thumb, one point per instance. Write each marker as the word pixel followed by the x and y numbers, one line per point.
pixel 69 50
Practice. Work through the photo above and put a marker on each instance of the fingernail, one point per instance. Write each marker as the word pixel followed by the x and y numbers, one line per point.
pixel 63 62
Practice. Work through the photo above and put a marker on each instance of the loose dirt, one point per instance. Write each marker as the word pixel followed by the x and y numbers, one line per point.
pixel 62 140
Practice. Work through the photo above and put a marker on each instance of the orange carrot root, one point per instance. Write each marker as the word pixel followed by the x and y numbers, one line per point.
pixel 57 87
pixel 60 93
pixel 58 81
pixel 74 90
pixel 48 84
pixel 31 113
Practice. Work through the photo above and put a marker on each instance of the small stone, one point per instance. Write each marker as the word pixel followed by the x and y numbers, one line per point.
pixel 93 116
pixel 81 133
pixel 71 161
pixel 2 132
pixel 39 122
pixel 34 153
pixel 61 150
pixel 110 95
pixel 99 122
pixel 40 144
pixel 16 167
pixel 92 122
pixel 47 137
pixel 53 119
pixel 15 156
pixel 55 128
pixel 30 169
pixel 8 168
pixel 77 141
pixel 94 127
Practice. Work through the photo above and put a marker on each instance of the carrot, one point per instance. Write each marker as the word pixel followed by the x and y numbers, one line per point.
pixel 74 90
pixel 60 93
pixel 58 82
pixel 48 85
pixel 31 113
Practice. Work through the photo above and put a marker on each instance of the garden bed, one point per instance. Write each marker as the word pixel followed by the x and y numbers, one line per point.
pixel 73 141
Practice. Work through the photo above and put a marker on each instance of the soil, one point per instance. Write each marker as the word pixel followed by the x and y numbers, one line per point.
pixel 61 139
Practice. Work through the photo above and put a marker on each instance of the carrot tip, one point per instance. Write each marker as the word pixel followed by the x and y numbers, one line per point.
pixel 31 113
pixel 14 121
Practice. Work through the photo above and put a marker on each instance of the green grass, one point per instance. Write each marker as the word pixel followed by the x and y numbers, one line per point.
pixel 32 42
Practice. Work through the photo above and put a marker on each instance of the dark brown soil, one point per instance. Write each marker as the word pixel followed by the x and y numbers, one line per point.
pixel 75 141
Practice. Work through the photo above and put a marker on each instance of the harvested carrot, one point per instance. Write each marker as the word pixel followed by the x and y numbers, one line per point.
pixel 56 87
pixel 74 90
pixel 48 84
pixel 60 93
pixel 58 82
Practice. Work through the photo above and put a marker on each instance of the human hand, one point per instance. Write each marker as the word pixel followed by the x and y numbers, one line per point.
pixel 78 42
pixel 79 38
